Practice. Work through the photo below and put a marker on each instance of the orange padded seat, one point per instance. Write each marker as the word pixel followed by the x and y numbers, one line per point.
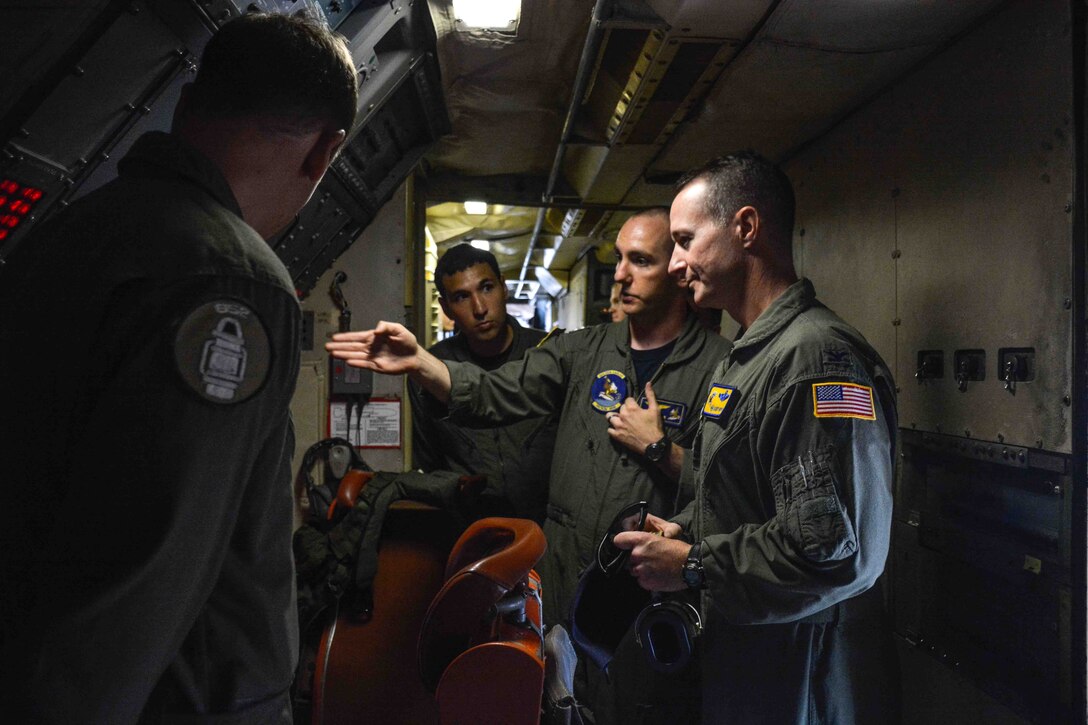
pixel 480 646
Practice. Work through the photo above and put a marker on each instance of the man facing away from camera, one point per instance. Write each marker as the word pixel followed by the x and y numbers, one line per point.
pixel 147 516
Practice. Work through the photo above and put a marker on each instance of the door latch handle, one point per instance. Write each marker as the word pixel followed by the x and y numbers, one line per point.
pixel 962 376
pixel 1010 375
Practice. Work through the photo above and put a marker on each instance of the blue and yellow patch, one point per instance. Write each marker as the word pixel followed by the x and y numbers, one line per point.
pixel 672 413
pixel 718 401
pixel 608 390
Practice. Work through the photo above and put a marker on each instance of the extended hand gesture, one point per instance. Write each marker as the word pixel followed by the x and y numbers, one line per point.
pixel 389 348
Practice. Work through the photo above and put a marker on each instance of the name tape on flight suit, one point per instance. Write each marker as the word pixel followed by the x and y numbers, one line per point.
pixel 672 413
pixel 222 351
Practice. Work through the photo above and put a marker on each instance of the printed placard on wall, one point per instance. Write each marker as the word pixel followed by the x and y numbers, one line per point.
pixel 378 425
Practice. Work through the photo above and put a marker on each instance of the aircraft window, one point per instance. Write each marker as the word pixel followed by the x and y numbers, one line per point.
pixel 499 16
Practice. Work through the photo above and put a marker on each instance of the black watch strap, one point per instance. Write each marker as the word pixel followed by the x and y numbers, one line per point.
pixel 692 572
pixel 657 450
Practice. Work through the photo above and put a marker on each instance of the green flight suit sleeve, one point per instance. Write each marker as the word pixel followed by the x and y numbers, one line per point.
pixel 831 480
pixel 135 573
pixel 685 516
pixel 532 386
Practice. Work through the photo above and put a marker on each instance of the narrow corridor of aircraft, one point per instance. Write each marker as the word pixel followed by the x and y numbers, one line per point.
pixel 936 150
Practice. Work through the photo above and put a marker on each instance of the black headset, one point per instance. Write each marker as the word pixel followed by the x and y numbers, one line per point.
pixel 666 630
pixel 340 457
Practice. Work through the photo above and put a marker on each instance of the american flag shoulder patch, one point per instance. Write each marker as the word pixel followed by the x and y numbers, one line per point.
pixel 843 400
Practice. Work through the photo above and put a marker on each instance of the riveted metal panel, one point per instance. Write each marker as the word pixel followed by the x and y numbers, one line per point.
pixel 985 172
pixel 844 246
pixel 964 172
pixel 104 89
pixel 375 268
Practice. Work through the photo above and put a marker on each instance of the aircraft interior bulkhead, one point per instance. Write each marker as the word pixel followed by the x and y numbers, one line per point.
pixel 937 151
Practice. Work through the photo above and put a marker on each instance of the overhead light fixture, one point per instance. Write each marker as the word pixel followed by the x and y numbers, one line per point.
pixel 481 244
pixel 495 15
pixel 475 207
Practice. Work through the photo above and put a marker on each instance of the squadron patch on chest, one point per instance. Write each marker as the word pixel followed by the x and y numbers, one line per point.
pixel 843 400
pixel 720 402
pixel 222 351
pixel 608 391
pixel 672 413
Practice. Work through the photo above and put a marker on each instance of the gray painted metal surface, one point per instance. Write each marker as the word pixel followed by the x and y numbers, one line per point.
pixel 963 172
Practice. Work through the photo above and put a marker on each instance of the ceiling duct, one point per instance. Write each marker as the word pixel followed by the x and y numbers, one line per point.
pixel 638 101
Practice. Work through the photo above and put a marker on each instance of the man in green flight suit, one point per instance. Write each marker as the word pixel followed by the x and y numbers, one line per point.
pixel 610 450
pixel 157 584
pixel 793 468
pixel 515 458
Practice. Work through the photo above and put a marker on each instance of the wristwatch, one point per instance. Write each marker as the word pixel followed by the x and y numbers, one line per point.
pixel 693 567
pixel 657 450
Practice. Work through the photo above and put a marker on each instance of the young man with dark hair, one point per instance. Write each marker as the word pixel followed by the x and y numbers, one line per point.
pixel 147 516
pixel 789 530
pixel 515 458
pixel 459 258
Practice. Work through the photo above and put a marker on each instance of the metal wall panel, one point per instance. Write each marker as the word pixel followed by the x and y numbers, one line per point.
pixel 980 569
pixel 135 56
pixel 571 308
pixel 847 248
pixel 977 144
pixel 37 36
pixel 986 174
pixel 375 291
pixel 124 82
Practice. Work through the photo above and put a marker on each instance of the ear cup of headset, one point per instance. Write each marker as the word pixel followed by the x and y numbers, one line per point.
pixel 320 498
pixel 666 630
pixel 340 457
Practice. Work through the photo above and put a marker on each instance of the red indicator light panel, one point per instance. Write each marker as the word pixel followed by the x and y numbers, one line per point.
pixel 17 201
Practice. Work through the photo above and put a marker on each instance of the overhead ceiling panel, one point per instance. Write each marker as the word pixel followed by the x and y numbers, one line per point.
pixel 776 97
pixel 861 26
pixel 712 18
pixel 509 88
pixel 810 65
pixel 448 222
pixel 526 117
pixel 616 171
